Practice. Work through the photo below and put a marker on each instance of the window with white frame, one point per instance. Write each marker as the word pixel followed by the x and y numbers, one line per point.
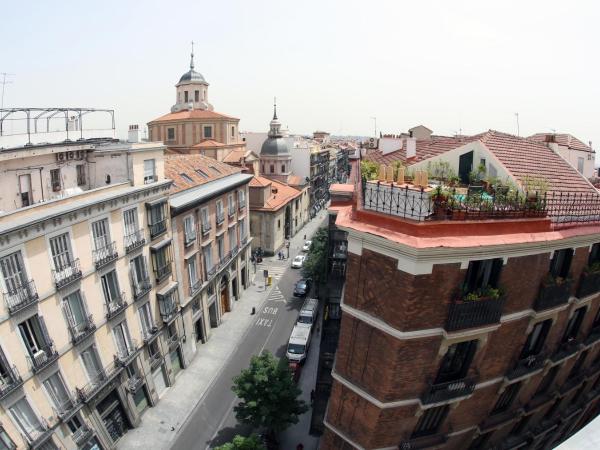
pixel 241 198
pixel 146 320
pixel 221 248
pixel 205 218
pixel 100 234
pixel 232 236
pixel 26 419
pixel 123 340
pixel 60 248
pixel 76 312
pixel 110 289
pixel 13 273
pixel 130 225
pixel 208 132
pixel 231 204
pixel 91 363
pixel 220 213
pixel 580 164
pixel 242 229
pixel 193 274
pixel 189 226
pixel 57 391
pixel 208 261
pixel 150 169
pixel 6 443
pixel 139 275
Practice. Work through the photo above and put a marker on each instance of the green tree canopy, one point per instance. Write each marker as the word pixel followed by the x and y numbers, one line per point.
pixel 369 169
pixel 251 442
pixel 315 265
pixel 269 397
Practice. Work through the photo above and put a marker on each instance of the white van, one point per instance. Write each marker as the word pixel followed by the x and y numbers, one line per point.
pixel 308 313
pixel 298 344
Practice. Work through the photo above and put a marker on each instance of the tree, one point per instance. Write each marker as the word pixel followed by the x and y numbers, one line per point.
pixel 269 397
pixel 315 265
pixel 369 169
pixel 251 442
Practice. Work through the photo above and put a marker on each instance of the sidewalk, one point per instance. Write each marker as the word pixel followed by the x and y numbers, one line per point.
pixel 161 423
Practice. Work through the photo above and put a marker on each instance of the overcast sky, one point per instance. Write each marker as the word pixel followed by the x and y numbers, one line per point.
pixel 453 65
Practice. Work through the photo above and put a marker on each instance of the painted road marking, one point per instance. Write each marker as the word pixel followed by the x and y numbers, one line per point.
pixel 270 310
pixel 264 322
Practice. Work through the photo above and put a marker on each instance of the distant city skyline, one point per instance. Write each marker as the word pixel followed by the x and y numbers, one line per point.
pixel 464 68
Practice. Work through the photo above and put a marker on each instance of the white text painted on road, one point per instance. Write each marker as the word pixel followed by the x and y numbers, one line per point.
pixel 270 310
pixel 262 322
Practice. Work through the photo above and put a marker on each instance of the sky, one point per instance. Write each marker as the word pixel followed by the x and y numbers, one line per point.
pixel 460 66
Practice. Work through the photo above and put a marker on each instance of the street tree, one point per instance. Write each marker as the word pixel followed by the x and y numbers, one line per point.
pixel 315 265
pixel 251 442
pixel 269 397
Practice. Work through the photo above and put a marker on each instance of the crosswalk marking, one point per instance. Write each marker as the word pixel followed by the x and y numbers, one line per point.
pixel 276 295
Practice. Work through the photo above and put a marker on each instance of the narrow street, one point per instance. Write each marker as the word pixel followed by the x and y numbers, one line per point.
pixel 213 422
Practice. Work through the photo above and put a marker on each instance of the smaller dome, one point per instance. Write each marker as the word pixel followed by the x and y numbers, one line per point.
pixel 192 76
pixel 278 146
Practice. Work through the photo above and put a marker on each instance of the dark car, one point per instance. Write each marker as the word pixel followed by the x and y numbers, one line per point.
pixel 302 288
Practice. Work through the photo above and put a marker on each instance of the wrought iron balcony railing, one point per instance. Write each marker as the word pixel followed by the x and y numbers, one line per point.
pixel 157 228
pixel 553 292
pixel 527 365
pixel 141 287
pixel 589 283
pixel 66 406
pixel 134 383
pixel 82 434
pixel 162 272
pixel 9 381
pixel 105 254
pixel 67 274
pixel 126 353
pixel 134 240
pixel 156 360
pixel 474 313
pixel 149 333
pixel 20 297
pixel 98 381
pixel 423 442
pixel 173 341
pixel 43 357
pixel 115 306
pixel 593 336
pixel 565 349
pixel 81 330
pixel 220 218
pixel 206 227
pixel 38 433
pixel 195 287
pixel 441 392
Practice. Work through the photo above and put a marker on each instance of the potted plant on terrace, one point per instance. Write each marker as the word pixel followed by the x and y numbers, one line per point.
pixel 484 293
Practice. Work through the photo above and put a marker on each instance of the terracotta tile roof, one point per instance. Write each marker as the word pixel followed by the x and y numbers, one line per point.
pixel 236 155
pixel 278 199
pixel 188 171
pixel 426 148
pixel 192 114
pixel 522 157
pixel 208 143
pixel 563 139
pixel 296 180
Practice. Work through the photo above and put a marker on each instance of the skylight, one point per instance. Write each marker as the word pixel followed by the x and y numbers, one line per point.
pixel 201 173
pixel 186 177
pixel 215 169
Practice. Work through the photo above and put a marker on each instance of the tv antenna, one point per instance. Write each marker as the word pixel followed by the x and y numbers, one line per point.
pixel 518 129
pixel 4 83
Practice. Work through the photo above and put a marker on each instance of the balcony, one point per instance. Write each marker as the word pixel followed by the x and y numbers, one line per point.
pixel 553 292
pixel 234 249
pixel 82 330
pixel 206 227
pixel 157 228
pixel 231 211
pixel 134 383
pixel 125 355
pixel 195 287
pixel 244 240
pixel 10 381
pixel 66 407
pixel 220 218
pixel 67 274
pixel 43 357
pixel 592 337
pixel 189 238
pixel 162 272
pixel 115 306
pixel 442 392
pixel 423 442
pixel 485 310
pixel 82 434
pixel 39 436
pixel 589 282
pixel 20 297
pixel 141 287
pixel 156 360
pixel 168 305
pixel 241 205
pixel 211 272
pixel 149 334
pixel 134 240
pixel 100 380
pixel 105 255
pixel 173 342
pixel 565 349
pixel 527 365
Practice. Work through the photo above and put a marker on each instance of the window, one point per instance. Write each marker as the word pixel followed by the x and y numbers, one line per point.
pixel 207 132
pixel 481 441
pixel 15 278
pixel 215 170
pixel 574 324
pixel 279 224
pixel 55 180
pixel 25 190
pixel 552 409
pixel 161 260
pixel 430 421
pixel 157 219
pixel 91 363
pixel 186 177
pixel 130 222
pixel 536 339
pixel 139 275
pixel 241 198
pixel 506 398
pixel 35 335
pixel 220 214
pixel 76 313
pixel 80 174
pixel 231 204
pixel 6 443
pixel 186 97
pixel 576 397
pixel 482 274
pixel 100 234
pixel 56 389
pixel 242 228
pixel 167 303
pixel 520 425
pixel 561 263
pixel 208 262
pixel 580 163
pixel 456 361
pixel 189 226
pixel 193 274
pixel 594 254
pixel 547 381
pixel 146 320
pixel 578 365
pixel 205 218
pixel 150 166
pixel 26 420
pixel 220 248
pixel 196 96
pixel 232 131
pixel 110 289
pixel 283 168
pixel 123 340
pixel 232 235
pixel 272 168
pixel 202 173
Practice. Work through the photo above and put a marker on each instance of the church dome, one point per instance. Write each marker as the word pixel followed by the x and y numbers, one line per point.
pixel 192 76
pixel 275 146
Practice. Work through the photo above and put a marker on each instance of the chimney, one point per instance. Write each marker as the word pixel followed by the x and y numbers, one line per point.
pixel 411 147
pixel 134 134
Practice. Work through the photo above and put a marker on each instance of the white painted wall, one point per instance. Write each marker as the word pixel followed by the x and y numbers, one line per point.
pixel 571 156
pixel 389 144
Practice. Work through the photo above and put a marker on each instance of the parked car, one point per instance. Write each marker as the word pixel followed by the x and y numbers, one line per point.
pixel 308 313
pixel 306 246
pixel 302 288
pixel 298 262
pixel 298 344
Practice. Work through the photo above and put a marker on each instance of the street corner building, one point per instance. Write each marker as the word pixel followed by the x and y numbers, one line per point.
pixel 470 315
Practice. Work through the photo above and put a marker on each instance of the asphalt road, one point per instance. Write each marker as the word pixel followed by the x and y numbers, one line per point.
pixel 213 421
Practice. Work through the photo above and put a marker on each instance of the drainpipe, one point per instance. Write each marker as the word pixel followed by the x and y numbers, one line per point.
pixel 41 183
